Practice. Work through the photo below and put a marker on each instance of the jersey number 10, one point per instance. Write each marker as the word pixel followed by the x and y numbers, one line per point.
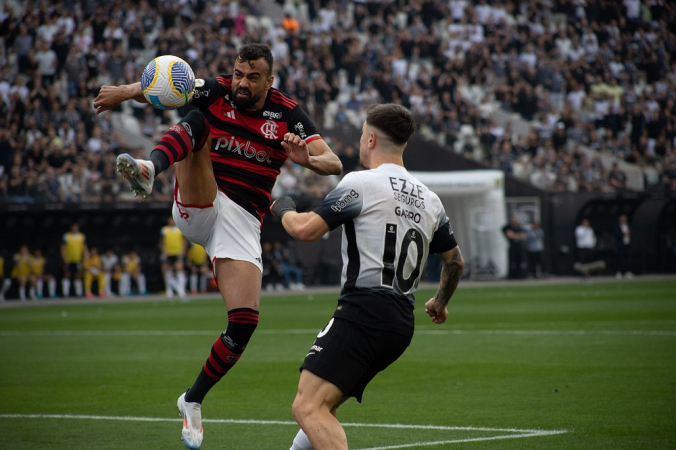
pixel 412 236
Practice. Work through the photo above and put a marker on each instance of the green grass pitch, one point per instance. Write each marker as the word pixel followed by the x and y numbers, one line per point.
pixel 531 367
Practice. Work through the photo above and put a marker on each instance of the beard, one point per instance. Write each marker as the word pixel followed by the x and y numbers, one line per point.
pixel 245 102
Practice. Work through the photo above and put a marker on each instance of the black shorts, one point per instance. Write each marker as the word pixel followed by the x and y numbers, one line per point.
pixel 73 269
pixel 171 259
pixel 349 355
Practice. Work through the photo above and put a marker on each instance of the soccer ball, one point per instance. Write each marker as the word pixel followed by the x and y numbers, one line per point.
pixel 168 82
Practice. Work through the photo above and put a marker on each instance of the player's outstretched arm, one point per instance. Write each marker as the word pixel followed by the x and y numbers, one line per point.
pixel 305 227
pixel 451 270
pixel 110 97
pixel 316 156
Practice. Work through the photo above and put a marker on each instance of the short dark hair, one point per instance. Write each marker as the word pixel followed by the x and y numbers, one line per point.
pixel 252 52
pixel 395 121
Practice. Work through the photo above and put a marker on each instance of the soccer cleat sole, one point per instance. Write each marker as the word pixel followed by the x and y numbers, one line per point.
pixel 189 446
pixel 128 169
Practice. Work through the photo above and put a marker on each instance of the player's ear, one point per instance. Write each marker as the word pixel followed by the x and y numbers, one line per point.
pixel 373 139
pixel 268 83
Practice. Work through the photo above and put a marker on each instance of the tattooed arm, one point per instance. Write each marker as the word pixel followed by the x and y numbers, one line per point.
pixel 451 271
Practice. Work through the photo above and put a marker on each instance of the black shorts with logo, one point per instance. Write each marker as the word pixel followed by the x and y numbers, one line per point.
pixel 349 354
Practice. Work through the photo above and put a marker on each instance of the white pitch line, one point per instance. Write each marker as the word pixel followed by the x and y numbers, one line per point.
pixel 555 332
pixel 565 322
pixel 517 433
pixel 424 331
pixel 457 441
pixel 278 422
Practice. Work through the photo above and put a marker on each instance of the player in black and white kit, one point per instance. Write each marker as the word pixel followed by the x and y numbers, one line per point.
pixel 228 154
pixel 391 223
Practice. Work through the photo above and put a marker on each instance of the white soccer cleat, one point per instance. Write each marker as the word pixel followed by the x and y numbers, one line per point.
pixel 139 172
pixel 193 432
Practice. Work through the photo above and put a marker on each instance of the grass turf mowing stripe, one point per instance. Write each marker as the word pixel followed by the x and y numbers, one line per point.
pixel 90 333
pixel 516 432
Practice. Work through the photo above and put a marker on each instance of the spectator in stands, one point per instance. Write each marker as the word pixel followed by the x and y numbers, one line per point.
pixel 52 270
pixel 272 271
pixel 18 187
pixel 93 270
pixel 585 241
pixel 198 265
pixel 132 270
pixel 73 250
pixel 38 276
pixel 290 24
pixel 622 234
pixel 516 236
pixel 287 260
pixel 172 254
pixel 47 63
pixel 617 179
pixel 595 63
pixel 535 244
pixel 349 158
pixel 21 272
pixel 112 271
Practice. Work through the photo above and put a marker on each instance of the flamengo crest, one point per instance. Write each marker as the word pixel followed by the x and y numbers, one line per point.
pixel 269 129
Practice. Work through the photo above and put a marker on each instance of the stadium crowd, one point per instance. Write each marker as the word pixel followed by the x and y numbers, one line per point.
pixel 597 74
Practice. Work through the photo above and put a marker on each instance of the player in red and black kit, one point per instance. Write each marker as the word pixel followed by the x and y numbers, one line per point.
pixel 228 154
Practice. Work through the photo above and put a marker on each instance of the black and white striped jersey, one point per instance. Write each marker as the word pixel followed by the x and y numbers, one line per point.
pixel 391 223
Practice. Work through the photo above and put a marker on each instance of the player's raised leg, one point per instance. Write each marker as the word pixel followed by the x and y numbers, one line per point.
pixel 180 141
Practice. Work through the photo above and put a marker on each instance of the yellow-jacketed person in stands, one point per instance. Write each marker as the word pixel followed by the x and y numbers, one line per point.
pixel 131 270
pixel 173 246
pixel 72 252
pixel 198 265
pixel 37 276
pixel 22 271
pixel 94 268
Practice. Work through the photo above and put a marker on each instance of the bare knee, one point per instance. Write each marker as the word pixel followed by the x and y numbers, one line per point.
pixel 301 410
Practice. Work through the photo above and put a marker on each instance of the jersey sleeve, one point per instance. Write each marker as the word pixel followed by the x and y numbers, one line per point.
pixel 342 204
pixel 300 123
pixel 443 239
pixel 207 90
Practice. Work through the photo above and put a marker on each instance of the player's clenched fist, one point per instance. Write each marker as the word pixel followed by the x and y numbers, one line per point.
pixel 436 311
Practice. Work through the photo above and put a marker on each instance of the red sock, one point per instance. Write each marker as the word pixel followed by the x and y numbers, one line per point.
pixel 188 135
pixel 229 347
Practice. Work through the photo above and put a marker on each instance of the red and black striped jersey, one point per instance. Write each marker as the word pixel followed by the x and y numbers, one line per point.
pixel 246 149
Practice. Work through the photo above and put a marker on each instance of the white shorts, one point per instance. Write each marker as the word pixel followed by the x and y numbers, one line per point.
pixel 223 228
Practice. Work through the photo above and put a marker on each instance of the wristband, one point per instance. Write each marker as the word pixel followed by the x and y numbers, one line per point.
pixel 282 206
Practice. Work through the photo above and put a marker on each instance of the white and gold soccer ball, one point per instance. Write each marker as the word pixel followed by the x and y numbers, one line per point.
pixel 168 82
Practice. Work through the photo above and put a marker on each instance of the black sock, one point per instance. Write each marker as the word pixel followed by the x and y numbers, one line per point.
pixel 160 161
pixel 225 352
pixel 199 389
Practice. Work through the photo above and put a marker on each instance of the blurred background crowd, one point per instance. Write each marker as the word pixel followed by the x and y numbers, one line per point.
pixel 568 95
